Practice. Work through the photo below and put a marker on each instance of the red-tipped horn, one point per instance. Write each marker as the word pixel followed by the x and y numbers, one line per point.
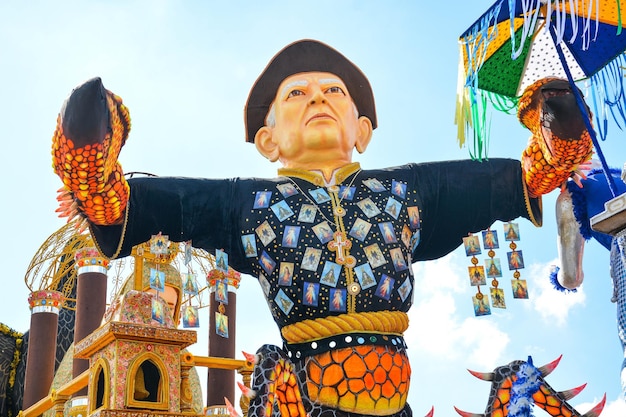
pixel 571 393
pixel 431 413
pixel 466 414
pixel 485 376
pixel 549 367
pixel 231 410
pixel 252 358
pixel 246 391
pixel 595 411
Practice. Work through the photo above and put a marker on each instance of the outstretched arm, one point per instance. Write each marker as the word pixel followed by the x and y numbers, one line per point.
pixel 91 129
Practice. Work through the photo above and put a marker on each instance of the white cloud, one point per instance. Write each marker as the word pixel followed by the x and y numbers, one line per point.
pixel 436 327
pixel 552 305
pixel 616 408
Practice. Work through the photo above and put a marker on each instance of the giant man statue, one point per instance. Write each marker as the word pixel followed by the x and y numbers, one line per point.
pixel 331 243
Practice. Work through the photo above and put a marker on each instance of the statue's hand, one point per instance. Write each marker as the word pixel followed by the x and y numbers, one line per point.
pixel 91 129
pixel 580 172
pixel 560 143
pixel 571 243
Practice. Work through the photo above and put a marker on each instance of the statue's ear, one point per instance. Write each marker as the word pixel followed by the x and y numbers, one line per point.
pixel 364 134
pixel 265 145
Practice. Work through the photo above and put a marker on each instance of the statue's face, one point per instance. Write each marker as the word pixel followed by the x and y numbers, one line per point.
pixel 315 120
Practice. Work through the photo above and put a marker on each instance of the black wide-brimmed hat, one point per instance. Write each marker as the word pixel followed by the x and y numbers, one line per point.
pixel 305 56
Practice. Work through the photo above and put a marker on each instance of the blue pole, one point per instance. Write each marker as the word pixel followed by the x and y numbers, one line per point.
pixel 583 108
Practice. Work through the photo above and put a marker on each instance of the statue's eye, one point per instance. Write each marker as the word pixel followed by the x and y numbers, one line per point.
pixel 335 90
pixel 294 93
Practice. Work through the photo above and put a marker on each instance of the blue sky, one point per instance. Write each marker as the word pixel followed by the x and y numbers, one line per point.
pixel 184 69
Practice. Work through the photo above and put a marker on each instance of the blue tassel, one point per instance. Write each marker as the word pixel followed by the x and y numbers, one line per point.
pixel 554 272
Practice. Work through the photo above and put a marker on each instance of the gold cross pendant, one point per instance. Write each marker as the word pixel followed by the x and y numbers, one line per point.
pixel 341 246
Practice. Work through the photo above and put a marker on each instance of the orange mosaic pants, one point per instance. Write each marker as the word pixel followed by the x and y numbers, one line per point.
pixel 363 380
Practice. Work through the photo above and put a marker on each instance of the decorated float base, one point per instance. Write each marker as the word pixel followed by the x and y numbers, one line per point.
pixel 138 413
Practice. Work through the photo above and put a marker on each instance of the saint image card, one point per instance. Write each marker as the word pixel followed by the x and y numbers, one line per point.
pixel 157 280
pixel 520 288
pixel 311 259
pixel 337 299
pixel 191 286
pixel 346 193
pixel 511 232
pixel 310 293
pixel 190 317
pixel 415 239
pixel 323 232
pixel 397 258
pixel 265 284
pixel 330 274
pixel 307 213
pixel 221 291
pixel 481 306
pixel 262 199
pixel 471 245
pixel 188 251
pixel 388 232
pixel 249 245
pixel 374 185
pixel 157 310
pixel 159 244
pixel 221 324
pixel 365 276
pixel 283 302
pixel 405 289
pixel 385 287
pixel 414 217
pixel 368 207
pixel 290 236
pixel 497 297
pixel 282 210
pixel 265 233
pixel 490 239
pixel 267 263
pixel 221 260
pixel 398 188
pixel 393 207
pixel 285 274
pixel 319 195
pixel 493 268
pixel 374 255
pixel 406 236
pixel 287 189
pixel 477 275
pixel 516 260
pixel 360 229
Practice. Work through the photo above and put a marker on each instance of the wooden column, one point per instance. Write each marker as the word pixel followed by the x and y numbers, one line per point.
pixel 44 321
pixel 221 382
pixel 91 292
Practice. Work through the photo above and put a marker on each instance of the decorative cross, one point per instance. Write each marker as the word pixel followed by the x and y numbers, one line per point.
pixel 341 245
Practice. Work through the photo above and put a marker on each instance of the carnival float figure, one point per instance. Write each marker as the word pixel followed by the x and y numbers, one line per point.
pixel 339 227
pixel 518 386
pixel 575 207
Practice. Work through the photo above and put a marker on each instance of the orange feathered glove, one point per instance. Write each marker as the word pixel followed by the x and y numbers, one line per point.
pixel 91 129
pixel 560 141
